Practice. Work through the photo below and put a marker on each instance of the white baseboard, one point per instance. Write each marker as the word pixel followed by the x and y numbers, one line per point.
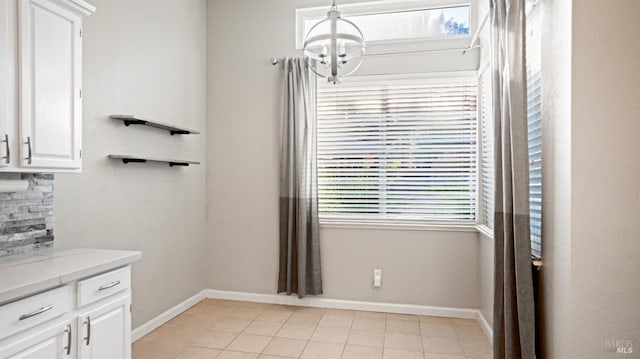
pixel 344 304
pixel 486 328
pixel 166 316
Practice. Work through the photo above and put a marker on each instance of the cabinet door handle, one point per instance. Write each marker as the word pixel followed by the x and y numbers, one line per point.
pixel 88 337
pixel 28 143
pixel 68 347
pixel 110 285
pixel 39 311
pixel 7 159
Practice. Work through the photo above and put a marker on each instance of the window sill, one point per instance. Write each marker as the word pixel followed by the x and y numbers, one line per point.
pixel 485 231
pixel 402 226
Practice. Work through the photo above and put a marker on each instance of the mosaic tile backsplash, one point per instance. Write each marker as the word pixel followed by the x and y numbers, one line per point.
pixel 26 218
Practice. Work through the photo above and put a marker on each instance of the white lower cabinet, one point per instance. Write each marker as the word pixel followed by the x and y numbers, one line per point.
pixel 85 319
pixel 50 341
pixel 104 332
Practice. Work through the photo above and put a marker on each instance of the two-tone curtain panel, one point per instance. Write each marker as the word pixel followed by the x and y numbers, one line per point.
pixel 299 227
pixel 514 314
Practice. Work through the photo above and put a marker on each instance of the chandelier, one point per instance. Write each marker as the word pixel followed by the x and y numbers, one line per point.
pixel 334 46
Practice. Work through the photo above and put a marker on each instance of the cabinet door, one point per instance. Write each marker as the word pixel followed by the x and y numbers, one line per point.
pixel 45 342
pixel 50 80
pixel 105 332
pixel 8 78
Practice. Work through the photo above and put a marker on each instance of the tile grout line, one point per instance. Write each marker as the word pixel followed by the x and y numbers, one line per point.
pixel 458 337
pixel 460 340
pixel 421 341
pixel 424 355
pixel 270 340
pixel 314 330
pixel 344 347
pixel 309 339
pixel 237 334
pixel 253 321
pixel 384 335
pixel 274 335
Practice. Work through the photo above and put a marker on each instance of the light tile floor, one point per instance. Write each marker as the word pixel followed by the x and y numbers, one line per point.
pixel 241 330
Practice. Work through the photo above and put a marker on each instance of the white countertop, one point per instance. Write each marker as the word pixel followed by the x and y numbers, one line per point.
pixel 33 272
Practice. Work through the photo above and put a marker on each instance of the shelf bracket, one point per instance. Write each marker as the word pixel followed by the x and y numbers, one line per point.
pixel 171 164
pixel 179 132
pixel 134 122
pixel 133 160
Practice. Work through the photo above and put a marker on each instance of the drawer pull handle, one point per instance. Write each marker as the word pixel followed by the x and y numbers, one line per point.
pixel 88 337
pixel 68 347
pixel 28 143
pixel 7 159
pixel 39 311
pixel 110 285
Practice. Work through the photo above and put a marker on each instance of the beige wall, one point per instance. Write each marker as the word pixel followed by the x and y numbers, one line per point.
pixel 591 280
pixel 145 58
pixel 605 178
pixel 419 267
pixel 555 275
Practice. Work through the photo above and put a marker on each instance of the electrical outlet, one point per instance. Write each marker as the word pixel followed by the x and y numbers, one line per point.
pixel 377 278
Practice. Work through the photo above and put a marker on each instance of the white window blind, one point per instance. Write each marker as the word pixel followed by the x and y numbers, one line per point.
pixel 534 116
pixel 486 134
pixel 398 148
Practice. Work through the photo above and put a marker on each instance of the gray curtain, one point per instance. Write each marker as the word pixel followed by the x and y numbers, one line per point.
pixel 514 315
pixel 299 229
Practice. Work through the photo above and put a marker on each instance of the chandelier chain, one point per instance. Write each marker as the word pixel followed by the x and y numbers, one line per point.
pixel 334 6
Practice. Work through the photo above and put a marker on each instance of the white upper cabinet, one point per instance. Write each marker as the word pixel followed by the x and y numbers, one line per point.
pixel 50 82
pixel 44 107
pixel 8 79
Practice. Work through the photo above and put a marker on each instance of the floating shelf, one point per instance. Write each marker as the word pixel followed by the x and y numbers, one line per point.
pixel 126 159
pixel 174 130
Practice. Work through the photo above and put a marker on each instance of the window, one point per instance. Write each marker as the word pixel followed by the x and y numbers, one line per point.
pixel 394 148
pixel 407 25
pixel 400 20
pixel 534 117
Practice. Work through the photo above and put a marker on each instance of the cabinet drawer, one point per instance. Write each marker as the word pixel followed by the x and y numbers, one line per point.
pixel 28 312
pixel 96 288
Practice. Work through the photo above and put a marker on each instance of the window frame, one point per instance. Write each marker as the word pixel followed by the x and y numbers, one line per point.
pixel 484 225
pixel 391 6
pixel 415 224
pixel 534 42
